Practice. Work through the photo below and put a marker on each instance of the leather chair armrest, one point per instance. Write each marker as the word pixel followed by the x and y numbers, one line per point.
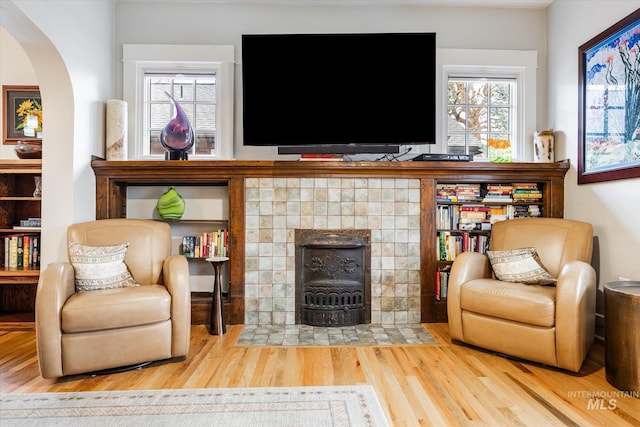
pixel 575 314
pixel 467 266
pixel 175 274
pixel 55 286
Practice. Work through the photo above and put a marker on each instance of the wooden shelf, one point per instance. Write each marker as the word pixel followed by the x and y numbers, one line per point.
pixel 17 184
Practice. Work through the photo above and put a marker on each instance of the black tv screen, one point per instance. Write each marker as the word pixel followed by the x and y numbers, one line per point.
pixel 336 89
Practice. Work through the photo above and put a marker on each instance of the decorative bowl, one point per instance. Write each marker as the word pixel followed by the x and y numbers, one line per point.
pixel 29 150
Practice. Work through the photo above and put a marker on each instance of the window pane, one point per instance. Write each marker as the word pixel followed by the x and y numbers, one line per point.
pixel 205 117
pixel 159 114
pixel 500 93
pixel 154 145
pixel 158 87
pixel 183 90
pixel 206 90
pixel 478 93
pixel 477 119
pixel 457 92
pixel 205 143
pixel 500 119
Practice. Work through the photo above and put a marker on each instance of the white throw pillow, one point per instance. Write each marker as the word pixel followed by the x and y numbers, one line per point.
pixel 520 266
pixel 100 267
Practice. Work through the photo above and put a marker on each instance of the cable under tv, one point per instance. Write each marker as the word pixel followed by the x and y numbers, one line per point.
pixel 442 157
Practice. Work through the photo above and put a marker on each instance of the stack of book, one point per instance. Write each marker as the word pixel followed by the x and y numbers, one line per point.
pixel 446 193
pixel 523 211
pixel 499 193
pixel 468 192
pixel 474 217
pixel 526 192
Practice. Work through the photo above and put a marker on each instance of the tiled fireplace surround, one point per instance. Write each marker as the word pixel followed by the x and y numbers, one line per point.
pixel 276 207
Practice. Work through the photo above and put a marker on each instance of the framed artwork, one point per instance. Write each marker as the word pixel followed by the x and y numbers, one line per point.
pixel 21 114
pixel 609 103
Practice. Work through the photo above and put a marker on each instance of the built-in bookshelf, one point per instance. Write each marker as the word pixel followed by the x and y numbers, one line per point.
pixel 465 214
pixel 20 220
pixel 114 177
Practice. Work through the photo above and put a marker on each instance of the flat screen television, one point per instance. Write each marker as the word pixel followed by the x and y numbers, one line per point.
pixel 339 93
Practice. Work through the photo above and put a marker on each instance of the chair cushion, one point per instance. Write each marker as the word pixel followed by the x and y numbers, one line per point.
pixel 521 266
pixel 100 267
pixel 116 308
pixel 529 304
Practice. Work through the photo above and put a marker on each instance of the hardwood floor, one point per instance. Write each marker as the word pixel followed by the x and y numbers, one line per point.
pixel 442 385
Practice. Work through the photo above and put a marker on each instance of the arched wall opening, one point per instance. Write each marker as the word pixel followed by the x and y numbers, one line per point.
pixel 58 140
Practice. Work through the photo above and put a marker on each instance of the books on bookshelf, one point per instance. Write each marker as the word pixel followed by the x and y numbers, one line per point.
pixel 442 282
pixel 450 244
pixel 501 193
pixel 208 244
pixel 458 192
pixel 526 192
pixel 21 250
pixel 472 207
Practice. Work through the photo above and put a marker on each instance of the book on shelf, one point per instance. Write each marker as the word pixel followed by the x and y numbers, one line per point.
pixel 21 250
pixel 205 245
pixel 451 244
pixel 30 222
pixel 442 282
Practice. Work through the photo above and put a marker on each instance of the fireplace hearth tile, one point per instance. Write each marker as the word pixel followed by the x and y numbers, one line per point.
pixel 305 335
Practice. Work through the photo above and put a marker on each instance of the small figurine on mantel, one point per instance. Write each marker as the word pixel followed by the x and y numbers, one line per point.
pixel 177 137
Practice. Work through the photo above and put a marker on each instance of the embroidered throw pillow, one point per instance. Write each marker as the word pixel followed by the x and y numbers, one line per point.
pixel 520 266
pixel 100 267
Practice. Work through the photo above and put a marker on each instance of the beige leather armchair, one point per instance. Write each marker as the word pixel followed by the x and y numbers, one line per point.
pixel 80 332
pixel 553 325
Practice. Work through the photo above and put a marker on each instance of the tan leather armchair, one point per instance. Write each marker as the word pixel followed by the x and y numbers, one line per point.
pixel 80 332
pixel 553 325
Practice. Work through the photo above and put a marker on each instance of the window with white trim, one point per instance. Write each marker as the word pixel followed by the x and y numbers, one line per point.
pixel 199 78
pixel 488 94
pixel 196 94
pixel 479 109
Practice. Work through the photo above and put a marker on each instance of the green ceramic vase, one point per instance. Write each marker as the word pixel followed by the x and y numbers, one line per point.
pixel 171 204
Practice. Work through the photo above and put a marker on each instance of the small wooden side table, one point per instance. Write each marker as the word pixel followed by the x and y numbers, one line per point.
pixel 622 334
pixel 218 326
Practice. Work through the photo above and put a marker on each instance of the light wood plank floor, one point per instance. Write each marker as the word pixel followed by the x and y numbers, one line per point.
pixel 442 385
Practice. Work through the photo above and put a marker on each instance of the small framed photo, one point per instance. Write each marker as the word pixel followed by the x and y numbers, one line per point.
pixel 609 103
pixel 21 114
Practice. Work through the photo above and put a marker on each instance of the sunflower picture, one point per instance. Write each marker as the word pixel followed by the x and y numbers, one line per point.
pixel 22 119
pixel 29 108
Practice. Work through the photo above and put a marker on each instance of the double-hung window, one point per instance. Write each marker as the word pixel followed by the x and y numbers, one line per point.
pixel 488 95
pixel 199 78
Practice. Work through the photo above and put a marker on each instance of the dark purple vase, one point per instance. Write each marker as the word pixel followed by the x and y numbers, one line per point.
pixel 177 137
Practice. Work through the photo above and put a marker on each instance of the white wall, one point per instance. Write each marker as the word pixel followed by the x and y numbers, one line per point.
pixel 612 207
pixel 70 45
pixel 224 23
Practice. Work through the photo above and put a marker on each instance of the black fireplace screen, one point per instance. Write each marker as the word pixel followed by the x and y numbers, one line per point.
pixel 333 277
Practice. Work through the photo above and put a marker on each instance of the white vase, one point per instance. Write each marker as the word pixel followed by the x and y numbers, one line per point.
pixel 543 146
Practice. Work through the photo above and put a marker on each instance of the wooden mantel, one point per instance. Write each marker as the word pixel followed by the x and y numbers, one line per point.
pixel 113 177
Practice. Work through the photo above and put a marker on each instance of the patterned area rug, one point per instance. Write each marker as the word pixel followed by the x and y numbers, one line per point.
pixel 305 335
pixel 274 406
